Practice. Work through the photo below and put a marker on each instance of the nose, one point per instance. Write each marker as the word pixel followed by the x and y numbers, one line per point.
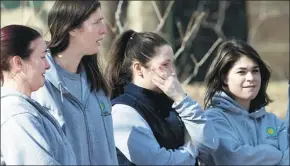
pixel 47 66
pixel 103 29
pixel 250 76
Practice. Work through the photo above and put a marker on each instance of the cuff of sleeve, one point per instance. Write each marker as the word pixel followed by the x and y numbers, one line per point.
pixel 186 102
pixel 177 104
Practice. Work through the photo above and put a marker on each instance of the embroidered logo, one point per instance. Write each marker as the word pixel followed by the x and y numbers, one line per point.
pixel 102 105
pixel 271 131
pixel 105 111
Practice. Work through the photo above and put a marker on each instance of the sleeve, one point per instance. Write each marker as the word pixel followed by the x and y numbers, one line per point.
pixel 200 129
pixel 283 143
pixel 232 152
pixel 23 142
pixel 135 139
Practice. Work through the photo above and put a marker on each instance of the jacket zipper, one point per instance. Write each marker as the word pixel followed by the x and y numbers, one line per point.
pixel 85 118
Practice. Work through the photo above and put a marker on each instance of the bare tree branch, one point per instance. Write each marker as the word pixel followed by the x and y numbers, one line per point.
pixel 117 16
pixel 192 33
pixel 162 22
pixel 221 18
pixel 191 21
pixel 179 28
pixel 157 11
pixel 201 62
pixel 209 52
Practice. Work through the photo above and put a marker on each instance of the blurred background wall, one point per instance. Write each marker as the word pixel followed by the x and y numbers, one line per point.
pixel 193 27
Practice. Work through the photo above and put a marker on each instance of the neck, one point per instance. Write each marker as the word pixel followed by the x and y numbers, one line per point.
pixel 20 86
pixel 244 103
pixel 141 83
pixel 69 59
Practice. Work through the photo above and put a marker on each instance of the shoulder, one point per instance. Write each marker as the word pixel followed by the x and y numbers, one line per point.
pixel 14 105
pixel 215 113
pixel 125 114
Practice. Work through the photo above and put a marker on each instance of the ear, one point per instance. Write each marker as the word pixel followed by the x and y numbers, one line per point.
pixel 74 32
pixel 17 63
pixel 225 79
pixel 137 69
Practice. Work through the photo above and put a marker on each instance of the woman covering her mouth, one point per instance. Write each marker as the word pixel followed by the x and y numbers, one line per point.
pixel 235 101
pixel 150 109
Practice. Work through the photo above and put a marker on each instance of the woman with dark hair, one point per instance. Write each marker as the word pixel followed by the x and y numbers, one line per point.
pixel 150 109
pixel 29 135
pixel 75 92
pixel 235 101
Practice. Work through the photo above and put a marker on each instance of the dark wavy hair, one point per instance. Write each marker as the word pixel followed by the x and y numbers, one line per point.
pixel 227 54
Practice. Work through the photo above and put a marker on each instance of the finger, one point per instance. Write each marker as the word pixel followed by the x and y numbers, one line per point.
pixel 157 83
pixel 161 74
pixel 169 70
pixel 157 79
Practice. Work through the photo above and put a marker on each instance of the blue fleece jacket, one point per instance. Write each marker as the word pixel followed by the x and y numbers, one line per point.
pixel 257 138
pixel 87 124
pixel 29 134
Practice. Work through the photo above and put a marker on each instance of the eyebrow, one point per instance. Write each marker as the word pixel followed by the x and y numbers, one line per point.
pixel 244 68
pixel 167 60
pixel 98 19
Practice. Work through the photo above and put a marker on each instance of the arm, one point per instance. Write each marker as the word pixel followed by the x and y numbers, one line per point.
pixel 135 139
pixel 200 130
pixel 232 152
pixel 23 142
pixel 283 143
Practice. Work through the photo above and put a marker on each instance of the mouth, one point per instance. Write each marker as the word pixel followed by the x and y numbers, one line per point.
pixel 250 86
pixel 99 41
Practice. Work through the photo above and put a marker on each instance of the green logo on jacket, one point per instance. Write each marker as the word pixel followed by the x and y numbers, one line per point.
pixel 102 105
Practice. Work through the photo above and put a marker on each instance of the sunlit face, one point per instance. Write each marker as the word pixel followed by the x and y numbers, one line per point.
pixel 244 80
pixel 164 57
pixel 34 67
pixel 92 32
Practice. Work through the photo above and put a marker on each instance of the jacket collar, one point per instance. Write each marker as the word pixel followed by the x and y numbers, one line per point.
pixel 157 101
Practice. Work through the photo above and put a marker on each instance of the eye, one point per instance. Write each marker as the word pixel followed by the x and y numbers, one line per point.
pixel 256 70
pixel 241 72
pixel 99 21
pixel 165 64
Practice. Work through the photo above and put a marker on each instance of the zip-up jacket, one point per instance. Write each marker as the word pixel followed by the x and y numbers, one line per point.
pixel 87 124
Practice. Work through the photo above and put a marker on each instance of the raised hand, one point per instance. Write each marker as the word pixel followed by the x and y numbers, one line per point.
pixel 166 80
